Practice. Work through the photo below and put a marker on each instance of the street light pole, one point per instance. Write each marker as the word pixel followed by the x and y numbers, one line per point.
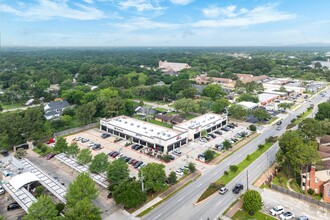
pixel 247 179
pixel 142 178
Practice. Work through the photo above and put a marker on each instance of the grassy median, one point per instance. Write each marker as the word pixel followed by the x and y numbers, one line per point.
pixel 243 215
pixel 224 179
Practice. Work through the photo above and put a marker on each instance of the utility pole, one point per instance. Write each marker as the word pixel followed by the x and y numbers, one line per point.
pixel 247 179
pixel 142 179
pixel 268 176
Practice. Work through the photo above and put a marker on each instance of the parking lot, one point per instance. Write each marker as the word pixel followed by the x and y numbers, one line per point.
pixel 189 152
pixel 298 207
pixel 5 200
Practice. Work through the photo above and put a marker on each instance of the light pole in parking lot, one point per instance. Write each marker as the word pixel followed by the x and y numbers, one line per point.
pixel 247 179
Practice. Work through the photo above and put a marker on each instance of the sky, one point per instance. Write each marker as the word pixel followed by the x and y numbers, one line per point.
pixel 111 23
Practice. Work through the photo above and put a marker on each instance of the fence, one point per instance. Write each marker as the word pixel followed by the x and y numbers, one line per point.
pixel 76 130
pixel 300 196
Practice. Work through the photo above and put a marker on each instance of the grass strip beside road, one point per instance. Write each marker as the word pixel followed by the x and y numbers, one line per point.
pixel 272 120
pixel 169 196
pixel 225 179
pixel 243 215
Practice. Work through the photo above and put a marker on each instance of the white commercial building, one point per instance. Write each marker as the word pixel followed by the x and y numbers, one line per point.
pixel 208 122
pixel 248 105
pixel 158 137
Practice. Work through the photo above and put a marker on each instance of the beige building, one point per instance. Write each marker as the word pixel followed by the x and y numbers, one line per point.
pixel 172 67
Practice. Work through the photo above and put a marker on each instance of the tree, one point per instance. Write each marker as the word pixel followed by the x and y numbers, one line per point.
pixel 61 145
pixel 20 153
pixel 323 111
pixel 85 156
pixel 1 108
pixel 172 177
pixel 282 89
pixel 187 93
pixel 252 201
pixel 227 144
pixel 180 84
pixel 99 163
pixel 73 149
pixel 154 176
pixel 219 105
pixel 209 155
pixel 237 111
pixel 213 91
pixel 285 105
pixel 203 133
pixel 86 112
pixel 118 172
pixel 83 209
pixel 295 152
pixel 252 128
pixel 43 208
pixel 129 194
pixel 239 86
pixel 233 168
pixel 261 114
pixel 311 128
pixel 192 167
pixel 246 97
pixel 185 106
pixel 83 187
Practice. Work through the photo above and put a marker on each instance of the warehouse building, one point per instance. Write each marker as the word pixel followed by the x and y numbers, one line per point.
pixel 158 137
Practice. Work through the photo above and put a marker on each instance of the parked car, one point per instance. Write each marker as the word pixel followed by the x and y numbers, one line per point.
pixel 134 146
pixel 212 135
pixel 4 153
pixel 179 172
pixel 105 135
pixel 139 163
pixel 138 147
pixel 218 132
pixel 134 162
pixel 2 190
pixel 231 126
pixel 238 187
pixel 115 154
pixel 176 152
pixel 50 156
pixel 50 141
pixel 127 159
pixel 96 147
pixel 84 140
pixel 302 218
pixel 171 157
pixel 219 147
pixel 13 206
pixel 287 216
pixel 277 210
pixel 223 190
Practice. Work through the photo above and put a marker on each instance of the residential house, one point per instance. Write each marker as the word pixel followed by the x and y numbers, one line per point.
pixel 54 109
pixel 246 78
pixel 145 111
pixel 170 119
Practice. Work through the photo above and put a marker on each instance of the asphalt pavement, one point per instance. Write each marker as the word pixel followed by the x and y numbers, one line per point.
pixel 181 205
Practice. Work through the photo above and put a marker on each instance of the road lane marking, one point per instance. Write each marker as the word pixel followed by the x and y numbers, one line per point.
pixel 158 215
pixel 199 185
pixel 180 199
pixel 219 203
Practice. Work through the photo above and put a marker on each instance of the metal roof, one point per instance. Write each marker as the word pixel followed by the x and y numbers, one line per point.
pixel 22 179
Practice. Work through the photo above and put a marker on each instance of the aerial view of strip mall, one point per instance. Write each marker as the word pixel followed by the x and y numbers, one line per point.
pixel 164 110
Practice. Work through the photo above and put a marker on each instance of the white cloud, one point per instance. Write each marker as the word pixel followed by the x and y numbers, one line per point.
pixel 45 10
pixel 141 5
pixel 244 17
pixel 142 23
pixel 89 1
pixel 181 2
pixel 215 12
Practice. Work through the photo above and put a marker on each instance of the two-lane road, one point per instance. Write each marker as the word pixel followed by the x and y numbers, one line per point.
pixel 181 205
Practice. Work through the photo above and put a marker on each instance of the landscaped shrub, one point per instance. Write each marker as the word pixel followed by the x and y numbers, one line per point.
pixel 226 173
pixel 248 157
pixel 311 191
pixel 252 128
pixel 233 168
pixel 261 146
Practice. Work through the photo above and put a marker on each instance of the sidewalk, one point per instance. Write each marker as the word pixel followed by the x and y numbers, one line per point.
pixel 231 212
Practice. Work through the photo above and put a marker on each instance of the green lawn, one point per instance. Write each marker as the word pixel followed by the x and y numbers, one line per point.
pixel 190 116
pixel 161 109
pixel 243 215
pixel 272 120
pixel 7 106
pixel 160 123
pixel 303 116
pixel 224 179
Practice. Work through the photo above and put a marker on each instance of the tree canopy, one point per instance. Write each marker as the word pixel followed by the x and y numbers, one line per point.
pixel 99 163
pixel 118 171
pixel 43 208
pixel 252 201
pixel 153 175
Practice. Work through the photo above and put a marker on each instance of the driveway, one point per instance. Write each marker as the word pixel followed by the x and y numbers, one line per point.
pixel 273 198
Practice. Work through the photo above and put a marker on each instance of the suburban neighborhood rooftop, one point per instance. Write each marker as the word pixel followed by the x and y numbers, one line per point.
pixel 201 121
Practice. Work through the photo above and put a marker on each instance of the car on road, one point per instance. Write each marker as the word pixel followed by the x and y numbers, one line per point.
pixel 279 128
pixel 223 190
pixel 238 187
pixel 302 218
pixel 287 216
pixel 13 206
pixel 50 156
pixel 2 190
pixel 277 210
pixel 105 135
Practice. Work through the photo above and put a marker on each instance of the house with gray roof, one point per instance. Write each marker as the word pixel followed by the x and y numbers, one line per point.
pixel 54 109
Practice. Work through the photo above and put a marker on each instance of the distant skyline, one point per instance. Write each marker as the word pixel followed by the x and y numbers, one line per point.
pixel 164 22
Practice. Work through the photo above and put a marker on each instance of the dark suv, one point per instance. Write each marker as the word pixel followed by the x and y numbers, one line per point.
pixel 13 206
pixel 238 187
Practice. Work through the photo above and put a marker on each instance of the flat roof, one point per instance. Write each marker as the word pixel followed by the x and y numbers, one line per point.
pixel 143 127
pixel 200 121
pixel 248 105
pixel 323 175
pixel 263 97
